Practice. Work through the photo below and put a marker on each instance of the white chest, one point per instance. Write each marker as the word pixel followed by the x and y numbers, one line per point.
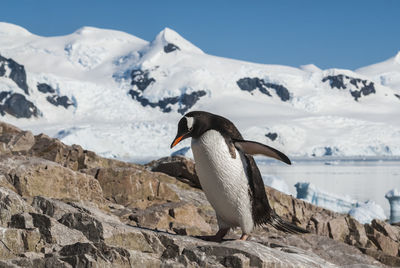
pixel 222 178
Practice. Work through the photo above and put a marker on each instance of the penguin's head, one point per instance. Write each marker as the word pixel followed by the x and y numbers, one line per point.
pixel 192 125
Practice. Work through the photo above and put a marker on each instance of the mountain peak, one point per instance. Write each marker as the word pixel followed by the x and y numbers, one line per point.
pixel 12 29
pixel 169 36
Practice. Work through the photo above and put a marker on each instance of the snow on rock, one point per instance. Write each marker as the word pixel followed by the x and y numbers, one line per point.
pixel 362 212
pixel 393 196
pixel 97 78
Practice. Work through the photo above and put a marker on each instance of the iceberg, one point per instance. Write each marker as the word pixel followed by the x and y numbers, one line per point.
pixel 393 196
pixel 276 183
pixel 364 212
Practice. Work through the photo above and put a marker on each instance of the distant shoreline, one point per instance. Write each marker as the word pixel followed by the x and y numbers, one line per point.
pixel 338 159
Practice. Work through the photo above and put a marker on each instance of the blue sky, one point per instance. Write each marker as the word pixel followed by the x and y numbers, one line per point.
pixel 341 34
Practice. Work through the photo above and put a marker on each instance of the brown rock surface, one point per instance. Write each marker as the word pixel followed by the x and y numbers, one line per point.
pixel 179 167
pixel 63 206
pixel 33 176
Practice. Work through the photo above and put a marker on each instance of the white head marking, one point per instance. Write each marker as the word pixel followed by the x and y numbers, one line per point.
pixel 189 121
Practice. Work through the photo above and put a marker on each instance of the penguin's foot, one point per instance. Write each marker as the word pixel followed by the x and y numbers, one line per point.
pixel 215 238
pixel 244 237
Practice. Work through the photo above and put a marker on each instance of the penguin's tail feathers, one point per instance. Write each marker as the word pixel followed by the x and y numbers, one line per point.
pixel 285 226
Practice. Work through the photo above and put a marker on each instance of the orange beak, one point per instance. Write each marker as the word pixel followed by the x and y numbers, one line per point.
pixel 176 141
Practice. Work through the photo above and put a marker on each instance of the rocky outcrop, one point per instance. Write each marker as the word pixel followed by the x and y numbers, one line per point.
pixel 177 166
pixel 141 80
pixel 251 84
pixel 356 86
pixel 17 105
pixel 62 206
pixel 14 71
pixel 170 47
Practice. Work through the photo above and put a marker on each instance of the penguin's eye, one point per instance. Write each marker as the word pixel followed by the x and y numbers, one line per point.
pixel 191 128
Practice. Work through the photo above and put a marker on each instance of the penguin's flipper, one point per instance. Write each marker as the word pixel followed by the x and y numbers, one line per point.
pixel 252 147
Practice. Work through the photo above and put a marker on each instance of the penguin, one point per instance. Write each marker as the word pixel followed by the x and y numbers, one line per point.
pixel 228 174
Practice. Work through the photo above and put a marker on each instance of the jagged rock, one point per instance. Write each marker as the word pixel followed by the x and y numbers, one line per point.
pixel 94 254
pixel 53 232
pixel 17 73
pixel 134 187
pixel 17 105
pixel 382 242
pixel 45 88
pixel 60 100
pixel 382 257
pixel 185 101
pixel 89 226
pixel 73 157
pixel 251 84
pixel 271 135
pixel 338 229
pixel 21 221
pixel 179 167
pixel 358 236
pixel 31 261
pixel 11 204
pixel 356 86
pixel 16 241
pixel 170 47
pixel 52 207
pixel 386 229
pixel 141 79
pixel 35 176
pixel 181 218
pixel 13 139
pixel 148 218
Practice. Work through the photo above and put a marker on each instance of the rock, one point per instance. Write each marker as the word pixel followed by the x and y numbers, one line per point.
pixel 134 187
pixel 72 157
pixel 17 74
pixel 128 237
pixel 251 84
pixel 30 261
pixel 185 101
pixel 179 167
pixel 170 47
pixel 60 100
pixel 382 257
pixel 148 218
pixel 45 88
pixel 16 241
pixel 17 105
pixel 11 204
pixel 89 226
pixel 21 221
pixel 237 260
pixel 357 236
pixel 56 208
pixel 384 243
pixel 386 229
pixel 13 139
pixel 338 229
pixel 98 254
pixel 52 232
pixel 35 176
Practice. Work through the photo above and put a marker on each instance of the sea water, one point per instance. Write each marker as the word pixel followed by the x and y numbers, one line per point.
pixel 361 180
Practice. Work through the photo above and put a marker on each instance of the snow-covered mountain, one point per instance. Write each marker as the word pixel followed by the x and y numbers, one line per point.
pixel 121 96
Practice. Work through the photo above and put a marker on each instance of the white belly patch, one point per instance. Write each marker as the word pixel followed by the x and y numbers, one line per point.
pixel 223 180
